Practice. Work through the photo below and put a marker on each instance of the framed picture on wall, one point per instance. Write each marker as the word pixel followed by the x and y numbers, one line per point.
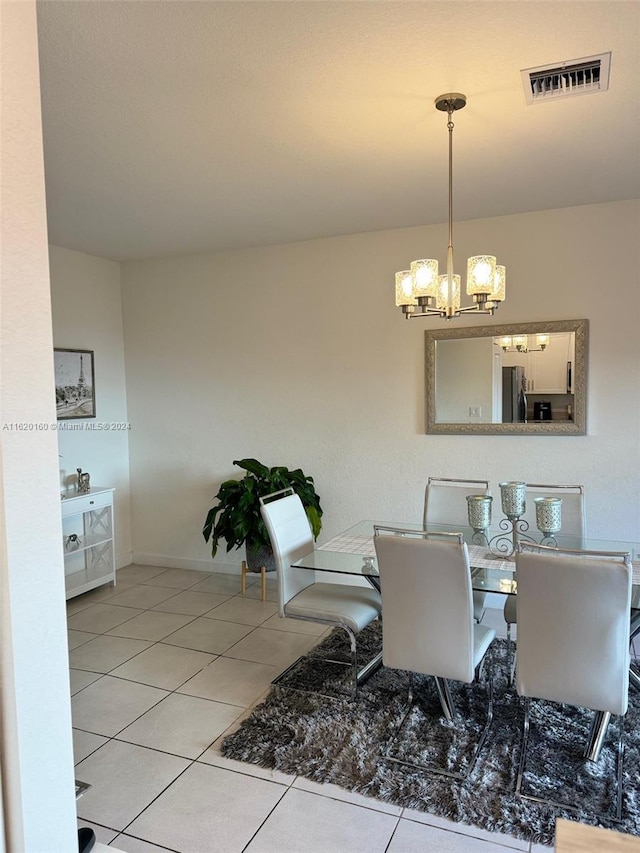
pixel 75 386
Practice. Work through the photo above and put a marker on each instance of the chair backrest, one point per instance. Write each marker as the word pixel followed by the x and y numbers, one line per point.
pixel 427 624
pixel 445 500
pixel 573 626
pixel 573 511
pixel 291 537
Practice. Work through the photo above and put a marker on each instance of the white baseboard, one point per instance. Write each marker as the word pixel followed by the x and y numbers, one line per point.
pixel 169 562
pixel 123 560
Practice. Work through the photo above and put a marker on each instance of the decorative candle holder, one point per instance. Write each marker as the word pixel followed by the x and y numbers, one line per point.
pixel 513 496
pixel 479 514
pixel 548 517
pixel 514 528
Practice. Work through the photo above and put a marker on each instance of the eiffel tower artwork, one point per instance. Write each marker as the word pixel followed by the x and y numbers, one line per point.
pixel 74 378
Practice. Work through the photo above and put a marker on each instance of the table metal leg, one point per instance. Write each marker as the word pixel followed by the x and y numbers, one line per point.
pixel 376 662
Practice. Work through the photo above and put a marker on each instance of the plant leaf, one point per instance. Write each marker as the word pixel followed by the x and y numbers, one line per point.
pixel 253 467
pixel 236 516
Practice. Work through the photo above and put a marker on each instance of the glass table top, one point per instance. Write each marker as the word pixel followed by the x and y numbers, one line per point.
pixel 353 553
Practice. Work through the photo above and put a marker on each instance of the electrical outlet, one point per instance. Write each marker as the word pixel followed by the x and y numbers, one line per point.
pixel 475 411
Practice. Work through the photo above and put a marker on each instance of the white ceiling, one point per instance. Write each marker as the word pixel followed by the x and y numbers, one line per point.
pixel 173 127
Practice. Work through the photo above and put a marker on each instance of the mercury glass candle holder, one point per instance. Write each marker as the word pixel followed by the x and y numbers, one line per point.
pixel 548 515
pixel 479 511
pixel 513 498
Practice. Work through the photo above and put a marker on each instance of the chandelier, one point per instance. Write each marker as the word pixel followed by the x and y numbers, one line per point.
pixel 421 292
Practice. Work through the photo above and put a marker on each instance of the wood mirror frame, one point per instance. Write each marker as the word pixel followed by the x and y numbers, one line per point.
pixel 576 426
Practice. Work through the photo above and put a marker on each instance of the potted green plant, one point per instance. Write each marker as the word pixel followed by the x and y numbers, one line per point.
pixel 236 515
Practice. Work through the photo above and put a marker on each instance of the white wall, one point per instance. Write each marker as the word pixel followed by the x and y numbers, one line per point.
pixel 87 314
pixel 464 371
pixel 296 355
pixel 36 747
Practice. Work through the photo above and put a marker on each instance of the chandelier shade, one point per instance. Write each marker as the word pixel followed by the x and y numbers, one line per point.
pixel 448 295
pixel 424 277
pixel 422 292
pixel 404 289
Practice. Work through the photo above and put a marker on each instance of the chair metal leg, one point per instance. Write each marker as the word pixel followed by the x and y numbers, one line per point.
pixel 354 659
pixel 444 694
pixel 449 713
pixel 485 731
pixel 358 676
pixel 596 739
pixel 511 657
pixel 523 748
pixel 399 726
pixel 597 735
pixel 621 721
pixel 634 680
pixel 369 668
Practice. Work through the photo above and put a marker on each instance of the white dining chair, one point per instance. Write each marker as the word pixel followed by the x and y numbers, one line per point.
pixel 428 626
pixel 300 596
pixel 445 503
pixel 573 636
pixel 573 534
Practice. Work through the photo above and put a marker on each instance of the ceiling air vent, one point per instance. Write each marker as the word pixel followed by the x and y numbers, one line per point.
pixel 566 79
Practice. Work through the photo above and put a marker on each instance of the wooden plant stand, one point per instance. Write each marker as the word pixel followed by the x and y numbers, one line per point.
pixel 263 580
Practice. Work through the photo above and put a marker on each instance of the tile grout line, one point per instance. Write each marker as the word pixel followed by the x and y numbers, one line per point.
pixel 191 761
pixel 164 752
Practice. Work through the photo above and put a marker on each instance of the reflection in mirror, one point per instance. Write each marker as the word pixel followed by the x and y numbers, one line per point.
pixel 528 378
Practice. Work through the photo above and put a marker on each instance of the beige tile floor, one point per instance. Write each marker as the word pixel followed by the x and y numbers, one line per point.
pixel 162 666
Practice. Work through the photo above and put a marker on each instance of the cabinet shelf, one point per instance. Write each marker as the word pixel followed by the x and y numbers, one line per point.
pixel 85 542
pixel 88 543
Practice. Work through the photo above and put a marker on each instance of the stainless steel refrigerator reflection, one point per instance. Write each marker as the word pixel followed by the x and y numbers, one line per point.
pixel 514 398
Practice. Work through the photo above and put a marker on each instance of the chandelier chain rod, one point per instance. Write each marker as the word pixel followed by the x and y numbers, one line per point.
pixel 450 126
pixel 450 273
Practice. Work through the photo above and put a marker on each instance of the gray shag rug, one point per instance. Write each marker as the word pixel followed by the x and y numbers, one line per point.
pixel 329 736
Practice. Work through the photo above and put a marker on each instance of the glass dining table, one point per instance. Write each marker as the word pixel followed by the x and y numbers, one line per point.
pixel 353 553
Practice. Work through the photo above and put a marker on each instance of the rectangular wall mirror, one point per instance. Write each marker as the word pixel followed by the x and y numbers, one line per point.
pixel 517 379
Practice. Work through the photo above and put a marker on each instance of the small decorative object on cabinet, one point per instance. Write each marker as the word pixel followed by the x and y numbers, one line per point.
pixel 84 484
pixel 87 530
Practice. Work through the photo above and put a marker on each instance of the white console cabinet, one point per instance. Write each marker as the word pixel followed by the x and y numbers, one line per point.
pixel 87 540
